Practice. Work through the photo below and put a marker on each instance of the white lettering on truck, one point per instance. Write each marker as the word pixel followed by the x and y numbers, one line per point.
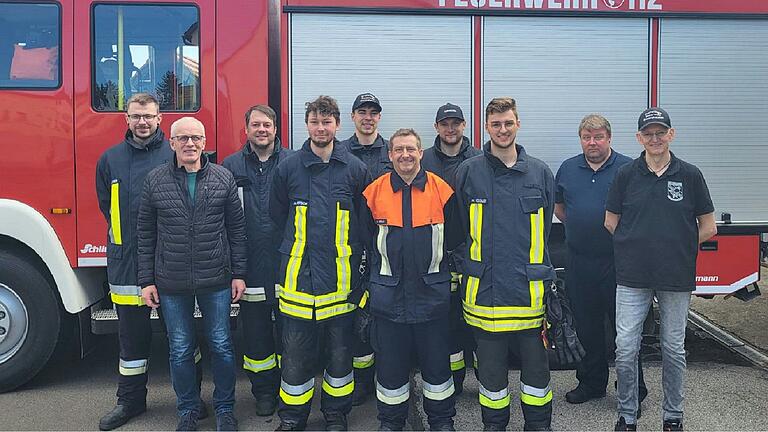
pixel 89 249
pixel 553 4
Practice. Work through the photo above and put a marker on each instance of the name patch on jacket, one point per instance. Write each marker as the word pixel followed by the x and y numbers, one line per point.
pixel 299 203
pixel 479 200
pixel 380 221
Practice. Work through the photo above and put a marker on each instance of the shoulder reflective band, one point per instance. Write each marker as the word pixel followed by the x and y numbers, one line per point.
pixel 392 397
pixel 438 392
pixel 133 367
pixel 536 288
pixel 535 396
pixel 257 366
pixel 338 387
pixel 437 248
pixel 116 234
pixel 299 394
pixel 381 245
pixel 494 400
pixel 343 251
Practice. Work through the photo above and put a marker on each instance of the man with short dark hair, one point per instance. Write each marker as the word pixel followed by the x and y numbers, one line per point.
pixel 370 147
pixel 254 168
pixel 317 203
pixel 410 230
pixel 581 185
pixel 505 200
pixel 450 149
pixel 659 210
pixel 120 175
pixel 192 252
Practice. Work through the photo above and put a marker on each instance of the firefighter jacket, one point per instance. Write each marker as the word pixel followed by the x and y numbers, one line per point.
pixel 445 166
pixel 506 215
pixel 410 229
pixel 191 247
pixel 254 181
pixel 120 175
pixel 375 156
pixel 317 207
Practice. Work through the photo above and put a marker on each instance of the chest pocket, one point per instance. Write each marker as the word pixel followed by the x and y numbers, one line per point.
pixel 532 199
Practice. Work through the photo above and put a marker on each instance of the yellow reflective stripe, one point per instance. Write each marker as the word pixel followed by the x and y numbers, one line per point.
pixel 297 250
pixel 457 361
pixel 257 366
pixel 381 245
pixel 502 325
pixel 133 367
pixel 363 362
pixel 437 248
pixel 126 300
pixel 473 285
pixel 326 299
pixel 114 213
pixel 475 230
pixel 343 251
pixel 332 311
pixel 438 392
pixel 280 360
pixel 493 400
pixel 535 400
pixel 537 237
pixel 501 312
pixel 537 294
pixel 363 300
pixel 338 387
pixel 392 397
pixel 294 310
pixel 296 400
pixel 298 297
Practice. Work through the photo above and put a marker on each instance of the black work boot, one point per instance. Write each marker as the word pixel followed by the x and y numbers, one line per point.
pixel 119 416
pixel 335 422
pixel 582 394
pixel 265 405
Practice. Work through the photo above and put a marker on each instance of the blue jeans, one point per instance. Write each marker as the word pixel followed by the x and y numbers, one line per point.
pixel 631 308
pixel 178 311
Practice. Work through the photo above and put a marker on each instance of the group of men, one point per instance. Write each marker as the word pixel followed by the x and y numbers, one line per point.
pixel 446 248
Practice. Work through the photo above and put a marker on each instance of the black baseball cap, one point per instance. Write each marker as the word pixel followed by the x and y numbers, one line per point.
pixel 653 115
pixel 366 99
pixel 449 110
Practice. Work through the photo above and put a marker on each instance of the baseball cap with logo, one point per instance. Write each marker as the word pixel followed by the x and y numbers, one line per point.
pixel 449 110
pixel 366 99
pixel 653 115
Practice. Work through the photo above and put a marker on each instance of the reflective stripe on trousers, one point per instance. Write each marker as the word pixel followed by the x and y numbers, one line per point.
pixel 297 394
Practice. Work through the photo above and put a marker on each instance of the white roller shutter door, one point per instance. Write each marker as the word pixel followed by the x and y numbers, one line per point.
pixel 713 84
pixel 560 69
pixel 413 64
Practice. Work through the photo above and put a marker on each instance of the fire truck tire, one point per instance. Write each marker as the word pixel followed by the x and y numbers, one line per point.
pixel 30 321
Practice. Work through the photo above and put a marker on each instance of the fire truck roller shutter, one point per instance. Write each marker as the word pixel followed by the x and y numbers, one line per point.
pixel 413 64
pixel 595 64
pixel 712 83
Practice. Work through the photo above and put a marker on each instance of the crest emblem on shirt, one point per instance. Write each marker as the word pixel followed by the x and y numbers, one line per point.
pixel 675 191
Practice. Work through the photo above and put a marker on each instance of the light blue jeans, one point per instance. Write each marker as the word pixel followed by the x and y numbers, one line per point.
pixel 631 309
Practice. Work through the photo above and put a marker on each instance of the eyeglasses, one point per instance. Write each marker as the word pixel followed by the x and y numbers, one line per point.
pixel 508 125
pixel 146 117
pixel 185 138
pixel 648 136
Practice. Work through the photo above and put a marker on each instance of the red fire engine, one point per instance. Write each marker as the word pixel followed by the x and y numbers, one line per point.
pixel 67 67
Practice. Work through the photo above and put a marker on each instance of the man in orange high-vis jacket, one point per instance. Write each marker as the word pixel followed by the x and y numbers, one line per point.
pixel 410 232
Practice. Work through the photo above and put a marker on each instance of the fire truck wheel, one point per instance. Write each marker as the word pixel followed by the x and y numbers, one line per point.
pixel 30 321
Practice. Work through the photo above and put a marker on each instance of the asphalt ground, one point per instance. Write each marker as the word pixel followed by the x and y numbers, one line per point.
pixel 723 392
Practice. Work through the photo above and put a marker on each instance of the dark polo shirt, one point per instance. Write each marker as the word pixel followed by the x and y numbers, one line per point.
pixel 656 241
pixel 583 190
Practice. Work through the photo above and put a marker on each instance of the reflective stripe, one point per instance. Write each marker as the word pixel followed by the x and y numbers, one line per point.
pixel 198 355
pixel 392 397
pixel 536 288
pixel 535 396
pixel 363 362
pixel 297 250
pixel 494 400
pixel 343 251
pixel 438 231
pixel 333 311
pixel 338 387
pixel 279 360
pixel 455 281
pixel 115 231
pixel 457 361
pixel 133 367
pixel 254 294
pixel 503 312
pixel 503 325
pixel 257 366
pixel 438 392
pixel 298 297
pixel 327 299
pixel 240 195
pixel 294 310
pixel 476 230
pixel 381 244
pixel 363 300
pixel 126 295
pixel 473 285
pixel 299 394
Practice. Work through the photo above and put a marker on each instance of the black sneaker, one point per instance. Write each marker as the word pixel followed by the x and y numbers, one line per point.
pixel 621 425
pixel 289 426
pixel 581 394
pixel 226 421
pixel 119 416
pixel 443 427
pixel 265 405
pixel 673 425
pixel 187 422
pixel 335 422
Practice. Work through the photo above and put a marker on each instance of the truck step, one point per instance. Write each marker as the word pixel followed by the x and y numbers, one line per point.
pixel 104 321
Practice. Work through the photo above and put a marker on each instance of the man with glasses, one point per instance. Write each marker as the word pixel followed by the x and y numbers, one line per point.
pixel 192 251
pixel 370 147
pixel 120 175
pixel 659 210
pixel 449 149
pixel 581 185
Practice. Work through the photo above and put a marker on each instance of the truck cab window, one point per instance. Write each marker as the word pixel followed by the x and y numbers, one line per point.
pixel 29 45
pixel 146 49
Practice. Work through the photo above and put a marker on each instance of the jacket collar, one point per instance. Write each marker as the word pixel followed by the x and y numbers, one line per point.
pixel 175 168
pixel 154 141
pixel 522 160
pixel 611 159
pixel 250 154
pixel 309 158
pixel 354 143
pixel 642 166
pixel 462 147
pixel 397 182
